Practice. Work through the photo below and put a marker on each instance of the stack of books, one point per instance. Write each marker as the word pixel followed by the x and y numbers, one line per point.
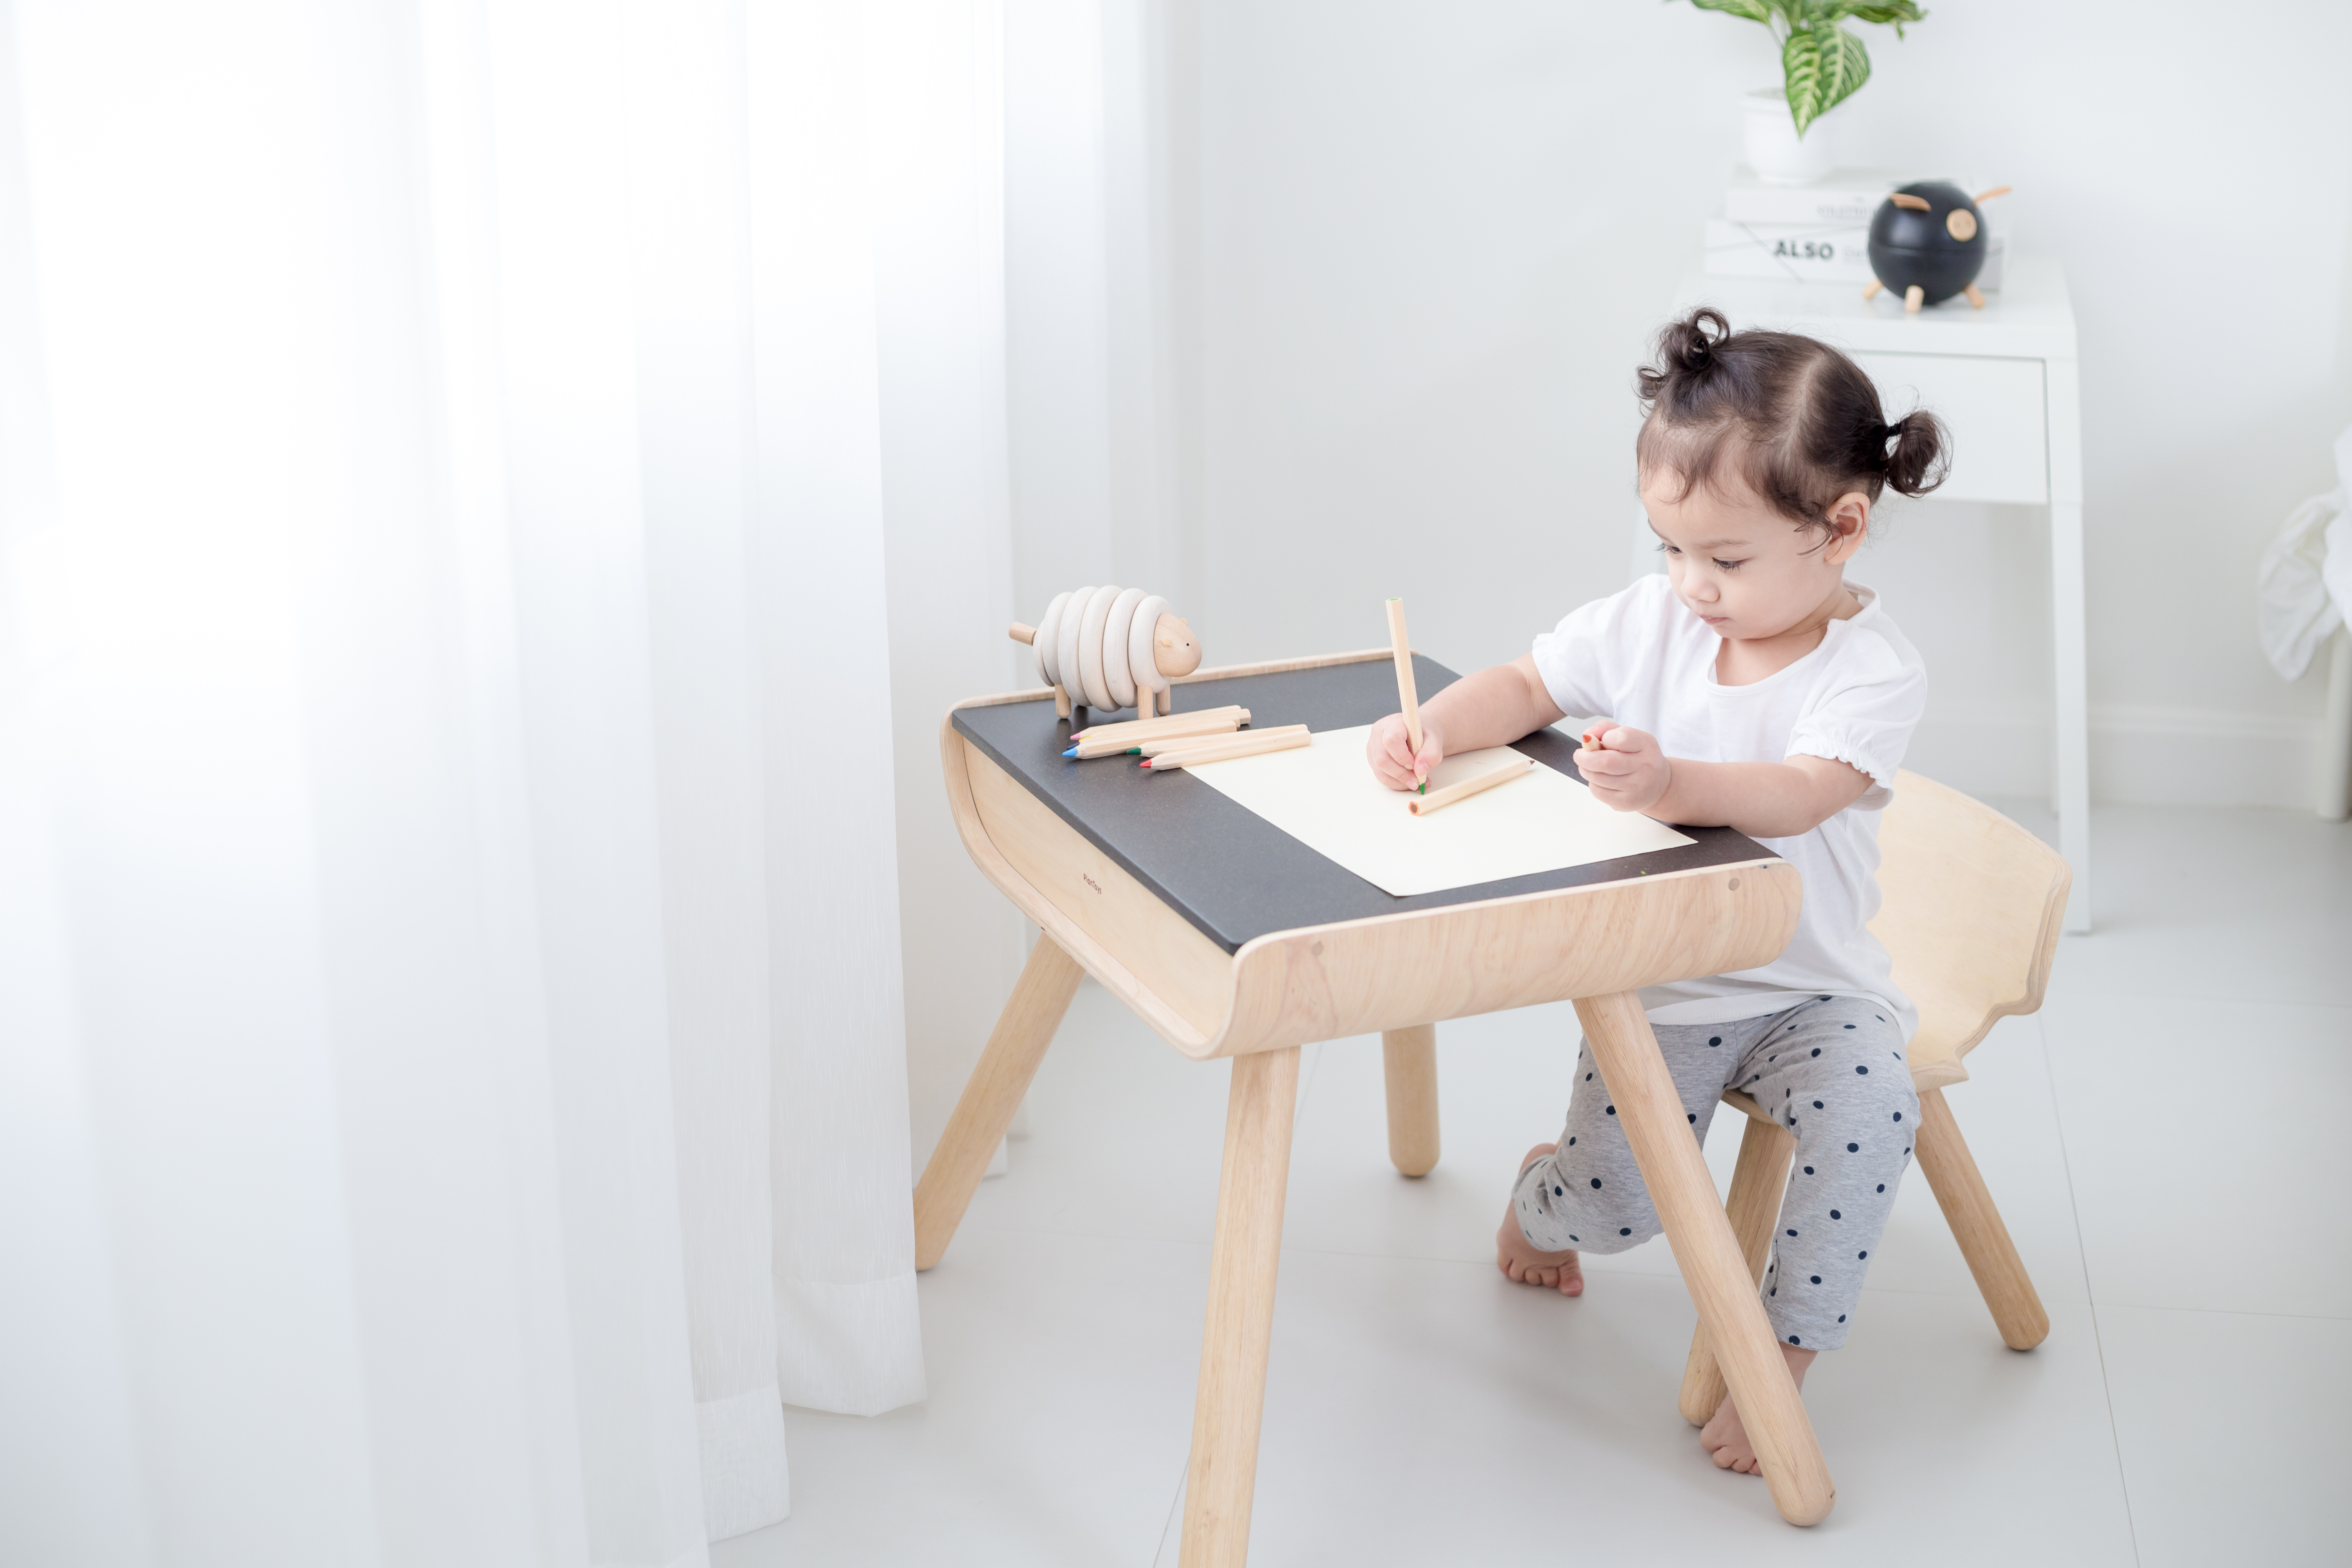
pixel 1818 233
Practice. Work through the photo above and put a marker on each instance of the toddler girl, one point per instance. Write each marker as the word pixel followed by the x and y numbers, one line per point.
pixel 1751 687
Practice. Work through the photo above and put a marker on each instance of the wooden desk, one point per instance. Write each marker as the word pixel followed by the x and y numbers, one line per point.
pixel 2004 379
pixel 1231 939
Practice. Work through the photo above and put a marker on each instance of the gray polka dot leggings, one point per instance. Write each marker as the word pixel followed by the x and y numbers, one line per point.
pixel 1831 1071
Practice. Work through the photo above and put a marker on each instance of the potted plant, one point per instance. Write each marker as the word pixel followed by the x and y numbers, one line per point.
pixel 1822 65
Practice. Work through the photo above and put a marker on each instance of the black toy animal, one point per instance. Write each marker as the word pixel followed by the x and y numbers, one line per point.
pixel 1928 243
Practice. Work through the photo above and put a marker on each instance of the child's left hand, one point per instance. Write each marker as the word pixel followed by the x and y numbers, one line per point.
pixel 1628 771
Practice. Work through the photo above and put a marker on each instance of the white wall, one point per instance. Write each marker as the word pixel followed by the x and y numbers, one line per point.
pixel 1370 327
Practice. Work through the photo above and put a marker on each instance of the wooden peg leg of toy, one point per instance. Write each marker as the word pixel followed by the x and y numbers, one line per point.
pixel 1976 295
pixel 1220 1481
pixel 1757 1185
pixel 1870 289
pixel 1409 1063
pixel 1913 298
pixel 1708 1254
pixel 1015 1047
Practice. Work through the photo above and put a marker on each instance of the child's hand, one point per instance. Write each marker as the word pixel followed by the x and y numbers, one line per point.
pixel 1627 770
pixel 1390 751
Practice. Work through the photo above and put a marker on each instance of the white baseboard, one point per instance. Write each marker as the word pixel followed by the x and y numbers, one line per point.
pixel 2186 756
pixel 2140 755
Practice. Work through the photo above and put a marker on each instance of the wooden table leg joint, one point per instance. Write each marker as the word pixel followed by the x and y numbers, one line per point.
pixel 1733 1319
pixel 1222 1478
pixel 1758 1182
pixel 1409 1063
pixel 985 1109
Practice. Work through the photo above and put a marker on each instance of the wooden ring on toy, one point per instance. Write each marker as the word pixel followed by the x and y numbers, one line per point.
pixel 1090 646
pixel 1049 631
pixel 1066 644
pixel 1118 679
pixel 1140 661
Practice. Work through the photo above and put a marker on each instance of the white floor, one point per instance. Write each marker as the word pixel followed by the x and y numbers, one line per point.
pixel 2166 1140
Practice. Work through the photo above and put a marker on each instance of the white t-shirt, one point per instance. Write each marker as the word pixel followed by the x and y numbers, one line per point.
pixel 1642 659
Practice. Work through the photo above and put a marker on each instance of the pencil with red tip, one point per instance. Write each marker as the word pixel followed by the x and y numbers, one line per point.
pixel 1221 748
pixel 1290 734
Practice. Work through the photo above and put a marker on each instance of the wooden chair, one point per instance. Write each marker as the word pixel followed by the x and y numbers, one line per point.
pixel 1971 913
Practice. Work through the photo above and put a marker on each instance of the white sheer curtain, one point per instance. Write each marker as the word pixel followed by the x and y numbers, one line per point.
pixel 452 1073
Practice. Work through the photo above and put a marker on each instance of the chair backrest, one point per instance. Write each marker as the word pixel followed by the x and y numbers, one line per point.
pixel 1972 905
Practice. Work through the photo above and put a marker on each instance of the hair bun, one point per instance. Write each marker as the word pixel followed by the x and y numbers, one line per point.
pixel 1922 454
pixel 1685 351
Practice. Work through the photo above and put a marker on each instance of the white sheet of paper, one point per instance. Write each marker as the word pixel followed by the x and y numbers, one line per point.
pixel 1324 796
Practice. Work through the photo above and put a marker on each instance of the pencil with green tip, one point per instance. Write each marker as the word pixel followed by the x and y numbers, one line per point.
pixel 1406 695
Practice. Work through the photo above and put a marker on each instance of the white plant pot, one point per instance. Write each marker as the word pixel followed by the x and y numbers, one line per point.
pixel 1774 150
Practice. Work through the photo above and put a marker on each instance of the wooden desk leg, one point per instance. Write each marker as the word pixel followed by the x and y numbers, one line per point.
pixel 1708 1254
pixel 1222 1475
pixel 1976 1226
pixel 1015 1047
pixel 1410 1059
pixel 1757 1185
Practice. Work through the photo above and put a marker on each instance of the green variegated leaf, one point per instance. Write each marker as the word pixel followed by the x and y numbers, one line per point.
pixel 1825 66
pixel 1753 10
pixel 1896 11
pixel 1896 14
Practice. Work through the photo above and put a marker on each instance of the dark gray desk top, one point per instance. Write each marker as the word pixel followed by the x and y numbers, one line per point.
pixel 1227 869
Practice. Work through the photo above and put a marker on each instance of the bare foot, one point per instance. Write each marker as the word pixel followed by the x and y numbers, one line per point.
pixel 1522 1259
pixel 1726 1440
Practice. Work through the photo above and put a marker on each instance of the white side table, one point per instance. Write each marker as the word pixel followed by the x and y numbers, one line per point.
pixel 2004 379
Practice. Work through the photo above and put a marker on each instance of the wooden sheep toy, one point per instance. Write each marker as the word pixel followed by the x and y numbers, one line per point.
pixel 1110 648
pixel 1928 243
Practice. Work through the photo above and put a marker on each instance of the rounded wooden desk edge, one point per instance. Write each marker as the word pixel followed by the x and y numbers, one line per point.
pixel 1458 961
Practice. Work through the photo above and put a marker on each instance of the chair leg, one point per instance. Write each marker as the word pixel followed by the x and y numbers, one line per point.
pixel 1758 1182
pixel 1222 1478
pixel 1712 1268
pixel 1015 1047
pixel 1410 1058
pixel 1975 1224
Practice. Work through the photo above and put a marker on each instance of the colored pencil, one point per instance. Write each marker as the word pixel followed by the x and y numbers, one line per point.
pixel 1241 746
pixel 1120 745
pixel 1422 806
pixel 1164 723
pixel 1407 698
pixel 1128 745
pixel 1194 742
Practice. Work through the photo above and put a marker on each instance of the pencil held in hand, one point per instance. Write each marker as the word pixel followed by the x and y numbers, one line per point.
pixel 1408 698
pixel 1422 806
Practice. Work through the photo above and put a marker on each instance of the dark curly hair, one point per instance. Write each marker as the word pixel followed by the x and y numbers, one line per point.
pixel 1791 417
